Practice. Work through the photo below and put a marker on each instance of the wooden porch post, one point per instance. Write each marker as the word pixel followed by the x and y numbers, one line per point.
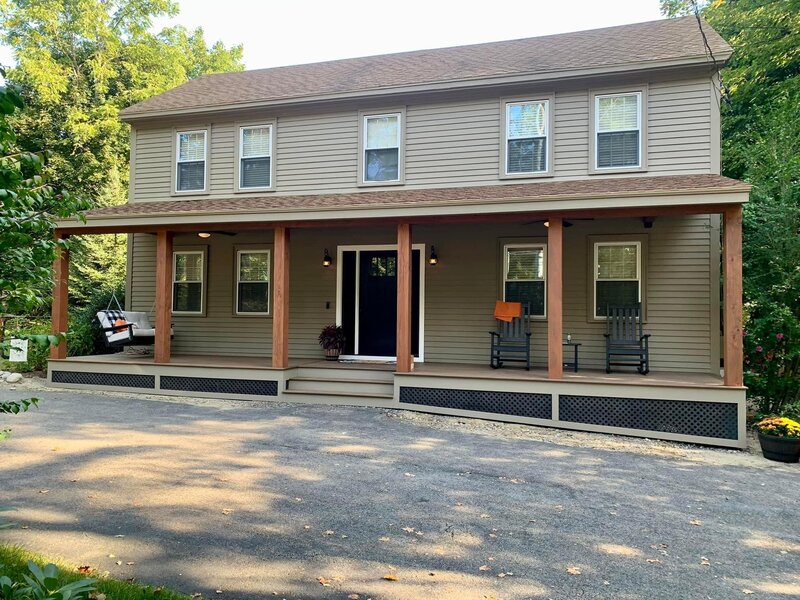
pixel 405 362
pixel 555 327
pixel 59 318
pixel 280 314
pixel 732 315
pixel 163 346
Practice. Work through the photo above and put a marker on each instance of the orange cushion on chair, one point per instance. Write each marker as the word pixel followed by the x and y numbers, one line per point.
pixel 120 323
pixel 506 311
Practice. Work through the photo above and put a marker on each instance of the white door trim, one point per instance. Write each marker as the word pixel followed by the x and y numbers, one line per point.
pixel 339 288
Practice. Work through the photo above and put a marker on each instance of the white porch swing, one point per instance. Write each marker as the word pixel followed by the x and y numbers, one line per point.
pixel 126 327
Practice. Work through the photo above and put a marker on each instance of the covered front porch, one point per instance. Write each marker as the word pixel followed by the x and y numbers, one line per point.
pixel 433 316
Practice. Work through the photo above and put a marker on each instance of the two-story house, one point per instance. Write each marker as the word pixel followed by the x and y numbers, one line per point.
pixel 401 196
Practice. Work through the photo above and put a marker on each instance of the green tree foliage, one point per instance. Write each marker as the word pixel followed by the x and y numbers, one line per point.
pixel 79 62
pixel 761 144
pixel 29 205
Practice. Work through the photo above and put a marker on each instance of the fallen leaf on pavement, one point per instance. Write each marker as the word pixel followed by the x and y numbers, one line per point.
pixel 227 511
pixel 573 570
pixel 747 592
pixel 697 522
pixel 324 582
pixel 408 529
pixel 390 577
pixel 484 568
pixel 653 561
pixel 218 591
pixel 306 526
pixel 119 562
pixel 85 569
pixel 485 516
pixel 130 562
pixel 501 574
pixel 383 539
pixel 705 562
pixel 196 595
pixel 328 532
pixel 43 491
pixel 353 597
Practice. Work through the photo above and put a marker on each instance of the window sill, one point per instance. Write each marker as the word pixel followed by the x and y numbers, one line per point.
pixel 191 193
pixel 380 183
pixel 264 190
pixel 188 314
pixel 617 170
pixel 543 175
pixel 253 315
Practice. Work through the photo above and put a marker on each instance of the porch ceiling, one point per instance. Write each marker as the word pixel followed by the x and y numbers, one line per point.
pixel 654 195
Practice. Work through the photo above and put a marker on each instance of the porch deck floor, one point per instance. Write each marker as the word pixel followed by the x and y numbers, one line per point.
pixel 628 377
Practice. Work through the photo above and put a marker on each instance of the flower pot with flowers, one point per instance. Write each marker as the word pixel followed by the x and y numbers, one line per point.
pixel 780 439
pixel 332 340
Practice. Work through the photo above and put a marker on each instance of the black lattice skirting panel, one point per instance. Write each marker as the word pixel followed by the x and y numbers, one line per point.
pixel 108 379
pixel 535 406
pixel 706 419
pixel 247 387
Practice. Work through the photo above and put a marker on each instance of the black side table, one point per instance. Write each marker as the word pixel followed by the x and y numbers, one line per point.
pixel 574 363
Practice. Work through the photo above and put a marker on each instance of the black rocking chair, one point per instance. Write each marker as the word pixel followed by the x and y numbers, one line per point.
pixel 512 341
pixel 626 345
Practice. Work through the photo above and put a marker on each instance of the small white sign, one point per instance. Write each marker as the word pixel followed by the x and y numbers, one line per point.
pixel 18 351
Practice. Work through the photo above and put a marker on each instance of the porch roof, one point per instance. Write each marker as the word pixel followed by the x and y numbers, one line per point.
pixel 573 195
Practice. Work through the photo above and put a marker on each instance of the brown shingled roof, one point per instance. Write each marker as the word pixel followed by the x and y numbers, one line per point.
pixel 550 190
pixel 664 40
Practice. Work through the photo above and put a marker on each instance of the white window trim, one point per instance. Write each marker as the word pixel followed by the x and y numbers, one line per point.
pixel 639 128
pixel 238 281
pixel 364 147
pixel 178 161
pixel 202 282
pixel 547 137
pixel 240 156
pixel 543 248
pixel 595 267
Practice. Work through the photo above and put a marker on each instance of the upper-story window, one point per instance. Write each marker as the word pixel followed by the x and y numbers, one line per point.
pixel 382 140
pixel 192 147
pixel 255 157
pixel 618 130
pixel 526 137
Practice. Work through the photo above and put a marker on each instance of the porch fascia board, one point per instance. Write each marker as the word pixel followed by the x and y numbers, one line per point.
pixel 639 205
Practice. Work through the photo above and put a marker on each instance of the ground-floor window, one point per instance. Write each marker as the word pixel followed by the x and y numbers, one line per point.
pixel 252 282
pixel 188 274
pixel 617 275
pixel 524 276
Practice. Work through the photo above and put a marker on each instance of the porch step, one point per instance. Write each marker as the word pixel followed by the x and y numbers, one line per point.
pixel 341 385
pixel 354 398
pixel 337 371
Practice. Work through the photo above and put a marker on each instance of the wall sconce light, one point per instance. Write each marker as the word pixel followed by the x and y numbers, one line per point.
pixel 433 259
pixel 648 222
pixel 204 234
pixel 327 261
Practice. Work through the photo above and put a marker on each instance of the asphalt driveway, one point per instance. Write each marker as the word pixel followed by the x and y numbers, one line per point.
pixel 261 500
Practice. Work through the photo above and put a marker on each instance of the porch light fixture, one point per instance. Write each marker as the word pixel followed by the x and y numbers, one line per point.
pixel 327 261
pixel 433 259
pixel 204 234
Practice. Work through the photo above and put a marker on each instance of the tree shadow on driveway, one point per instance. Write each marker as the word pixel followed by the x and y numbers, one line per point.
pixel 323 502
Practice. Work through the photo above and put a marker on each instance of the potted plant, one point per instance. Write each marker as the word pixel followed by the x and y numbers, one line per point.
pixel 779 438
pixel 332 340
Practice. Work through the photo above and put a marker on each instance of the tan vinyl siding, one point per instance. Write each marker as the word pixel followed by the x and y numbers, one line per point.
pixel 679 127
pixel 448 142
pixel 461 290
pixel 571 142
pixel 453 143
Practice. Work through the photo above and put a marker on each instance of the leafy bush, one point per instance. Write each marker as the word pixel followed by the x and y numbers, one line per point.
pixel 37 353
pixel 43 584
